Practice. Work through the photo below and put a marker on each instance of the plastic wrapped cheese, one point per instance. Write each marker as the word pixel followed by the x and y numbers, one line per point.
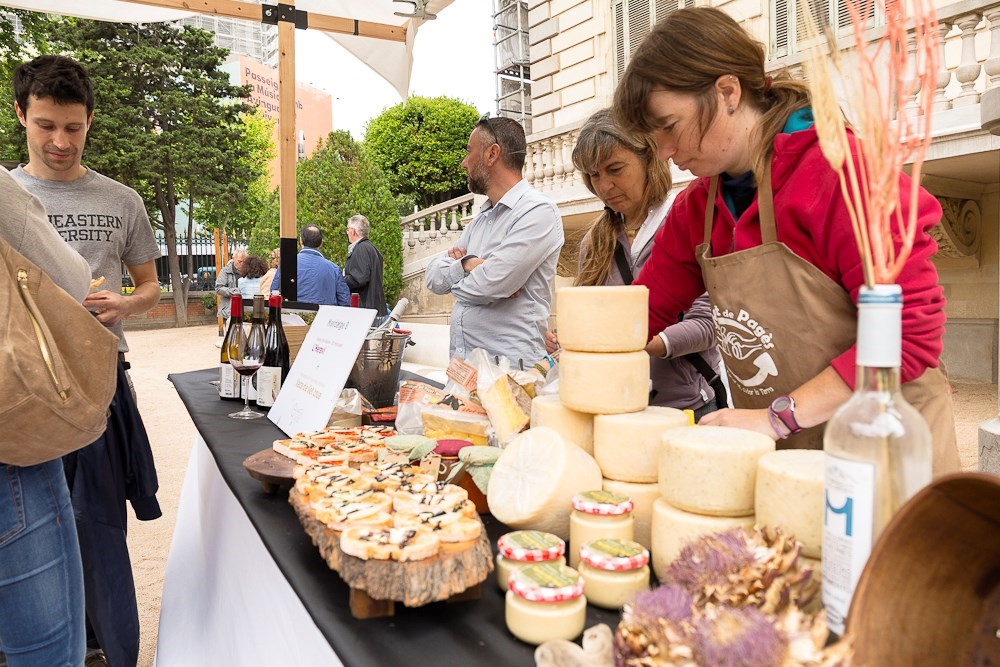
pixel 627 446
pixel 711 469
pixel 577 427
pixel 535 479
pixel 789 495
pixel 602 319
pixel 604 383
pixel 674 528
pixel 642 496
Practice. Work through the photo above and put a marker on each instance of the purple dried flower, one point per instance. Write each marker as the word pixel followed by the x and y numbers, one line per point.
pixel 711 560
pixel 669 602
pixel 730 637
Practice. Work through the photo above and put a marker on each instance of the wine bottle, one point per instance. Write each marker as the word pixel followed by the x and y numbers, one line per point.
pixel 256 326
pixel 878 452
pixel 273 372
pixel 230 383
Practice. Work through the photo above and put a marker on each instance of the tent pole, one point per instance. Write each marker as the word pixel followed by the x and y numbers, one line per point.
pixel 287 156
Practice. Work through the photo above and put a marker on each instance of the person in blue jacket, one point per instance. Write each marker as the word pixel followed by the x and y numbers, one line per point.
pixel 320 281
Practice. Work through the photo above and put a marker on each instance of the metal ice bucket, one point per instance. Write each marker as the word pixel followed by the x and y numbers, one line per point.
pixel 376 370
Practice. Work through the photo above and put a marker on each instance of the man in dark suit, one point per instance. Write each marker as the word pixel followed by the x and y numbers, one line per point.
pixel 363 269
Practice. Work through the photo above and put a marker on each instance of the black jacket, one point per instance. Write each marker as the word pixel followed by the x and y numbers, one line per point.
pixel 363 272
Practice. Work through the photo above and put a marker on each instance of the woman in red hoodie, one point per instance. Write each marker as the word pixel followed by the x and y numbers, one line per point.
pixel 779 261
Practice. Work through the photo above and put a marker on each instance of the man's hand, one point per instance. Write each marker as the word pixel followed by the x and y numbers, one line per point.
pixel 751 420
pixel 472 263
pixel 456 252
pixel 551 341
pixel 111 308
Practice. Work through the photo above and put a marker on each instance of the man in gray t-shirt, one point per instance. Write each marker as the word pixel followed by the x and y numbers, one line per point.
pixel 100 218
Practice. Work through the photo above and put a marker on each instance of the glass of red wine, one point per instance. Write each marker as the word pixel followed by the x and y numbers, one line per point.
pixel 246 354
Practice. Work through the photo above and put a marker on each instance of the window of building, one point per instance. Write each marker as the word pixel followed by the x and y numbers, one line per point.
pixel 788 35
pixel 633 19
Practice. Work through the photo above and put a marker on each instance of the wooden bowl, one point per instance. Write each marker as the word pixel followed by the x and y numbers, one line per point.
pixel 930 594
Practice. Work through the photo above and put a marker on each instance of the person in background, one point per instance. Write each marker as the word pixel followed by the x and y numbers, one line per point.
pixel 249 284
pixel 764 227
pixel 42 619
pixel 501 270
pixel 634 185
pixel 363 268
pixel 106 222
pixel 228 282
pixel 320 281
pixel 273 262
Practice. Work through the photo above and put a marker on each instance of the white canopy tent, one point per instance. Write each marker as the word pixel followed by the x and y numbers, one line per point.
pixel 380 33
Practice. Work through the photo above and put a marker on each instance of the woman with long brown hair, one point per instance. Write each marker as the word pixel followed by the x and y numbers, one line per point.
pixel 624 173
pixel 779 260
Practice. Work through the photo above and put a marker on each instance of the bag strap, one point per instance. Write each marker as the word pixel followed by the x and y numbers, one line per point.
pixel 622 261
pixel 710 374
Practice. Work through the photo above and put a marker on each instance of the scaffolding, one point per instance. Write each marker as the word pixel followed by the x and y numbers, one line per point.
pixel 252 39
pixel 511 61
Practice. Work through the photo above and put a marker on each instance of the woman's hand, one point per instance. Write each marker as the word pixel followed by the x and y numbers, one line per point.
pixel 751 420
pixel 551 341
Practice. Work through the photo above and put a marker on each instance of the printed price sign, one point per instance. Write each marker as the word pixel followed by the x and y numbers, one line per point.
pixel 321 369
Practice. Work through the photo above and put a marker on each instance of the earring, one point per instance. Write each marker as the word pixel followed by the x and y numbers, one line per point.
pixel 731 110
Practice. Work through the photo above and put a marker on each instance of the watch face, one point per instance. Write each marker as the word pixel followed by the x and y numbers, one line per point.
pixel 781 404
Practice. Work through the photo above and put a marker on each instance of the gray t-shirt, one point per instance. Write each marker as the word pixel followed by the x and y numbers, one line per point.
pixel 101 219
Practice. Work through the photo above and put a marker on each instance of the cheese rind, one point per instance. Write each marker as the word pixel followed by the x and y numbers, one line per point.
pixel 604 383
pixel 577 427
pixel 534 481
pixel 789 495
pixel 711 469
pixel 602 319
pixel 673 529
pixel 627 446
pixel 642 496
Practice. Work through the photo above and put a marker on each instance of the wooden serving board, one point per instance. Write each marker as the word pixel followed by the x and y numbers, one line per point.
pixel 454 573
pixel 271 469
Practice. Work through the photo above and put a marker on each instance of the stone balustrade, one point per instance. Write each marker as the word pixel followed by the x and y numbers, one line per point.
pixel 549 163
pixel 430 225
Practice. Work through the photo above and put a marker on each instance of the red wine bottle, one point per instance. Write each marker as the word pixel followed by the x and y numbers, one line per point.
pixel 255 341
pixel 230 386
pixel 273 372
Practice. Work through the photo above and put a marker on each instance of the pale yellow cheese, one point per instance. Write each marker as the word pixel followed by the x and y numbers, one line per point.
pixel 577 427
pixel 602 319
pixel 604 383
pixel 534 481
pixel 642 496
pixel 789 495
pixel 508 406
pixel 711 469
pixel 673 529
pixel 627 446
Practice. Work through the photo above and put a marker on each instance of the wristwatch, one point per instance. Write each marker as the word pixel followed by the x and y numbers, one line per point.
pixel 782 415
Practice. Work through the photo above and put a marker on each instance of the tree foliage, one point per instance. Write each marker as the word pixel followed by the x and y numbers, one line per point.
pixel 336 182
pixel 419 145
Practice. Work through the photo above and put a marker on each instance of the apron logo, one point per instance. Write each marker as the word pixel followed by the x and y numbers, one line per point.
pixel 742 338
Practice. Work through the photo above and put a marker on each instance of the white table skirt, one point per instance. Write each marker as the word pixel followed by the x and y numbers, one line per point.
pixel 225 602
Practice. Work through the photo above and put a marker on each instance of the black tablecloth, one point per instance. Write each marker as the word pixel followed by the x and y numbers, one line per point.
pixel 462 633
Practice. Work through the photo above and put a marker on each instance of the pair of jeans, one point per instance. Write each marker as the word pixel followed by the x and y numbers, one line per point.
pixel 41 575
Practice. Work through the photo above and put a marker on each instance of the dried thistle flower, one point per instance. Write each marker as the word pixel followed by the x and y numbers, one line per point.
pixel 730 637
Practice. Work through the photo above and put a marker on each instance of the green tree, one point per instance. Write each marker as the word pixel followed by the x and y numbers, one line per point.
pixel 419 145
pixel 336 182
pixel 168 121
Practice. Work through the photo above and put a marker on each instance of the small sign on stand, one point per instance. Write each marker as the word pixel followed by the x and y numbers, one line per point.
pixel 321 369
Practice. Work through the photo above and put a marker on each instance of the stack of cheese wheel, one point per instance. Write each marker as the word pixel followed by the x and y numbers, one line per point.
pixel 707 479
pixel 789 495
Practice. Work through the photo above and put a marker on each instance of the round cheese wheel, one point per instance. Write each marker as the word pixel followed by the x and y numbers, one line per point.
pixel 577 427
pixel 674 528
pixel 603 319
pixel 789 495
pixel 711 469
pixel 627 446
pixel 642 496
pixel 535 479
pixel 604 383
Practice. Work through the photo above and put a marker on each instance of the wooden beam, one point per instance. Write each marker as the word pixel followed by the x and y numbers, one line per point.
pixel 251 12
pixel 287 151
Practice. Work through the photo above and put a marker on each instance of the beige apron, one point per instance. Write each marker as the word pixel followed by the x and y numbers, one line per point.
pixel 779 321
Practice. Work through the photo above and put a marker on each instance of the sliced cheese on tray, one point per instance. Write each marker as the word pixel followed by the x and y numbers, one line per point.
pixel 577 427
pixel 789 495
pixel 711 469
pixel 534 481
pixel 674 528
pixel 627 446
pixel 642 496
pixel 603 319
pixel 604 383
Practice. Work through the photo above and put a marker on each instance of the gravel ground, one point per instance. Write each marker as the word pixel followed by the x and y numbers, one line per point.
pixel 156 353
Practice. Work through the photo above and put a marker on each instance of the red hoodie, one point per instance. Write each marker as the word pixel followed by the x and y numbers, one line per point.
pixel 812 220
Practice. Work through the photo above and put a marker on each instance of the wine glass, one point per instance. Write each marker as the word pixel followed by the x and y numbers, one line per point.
pixel 246 354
